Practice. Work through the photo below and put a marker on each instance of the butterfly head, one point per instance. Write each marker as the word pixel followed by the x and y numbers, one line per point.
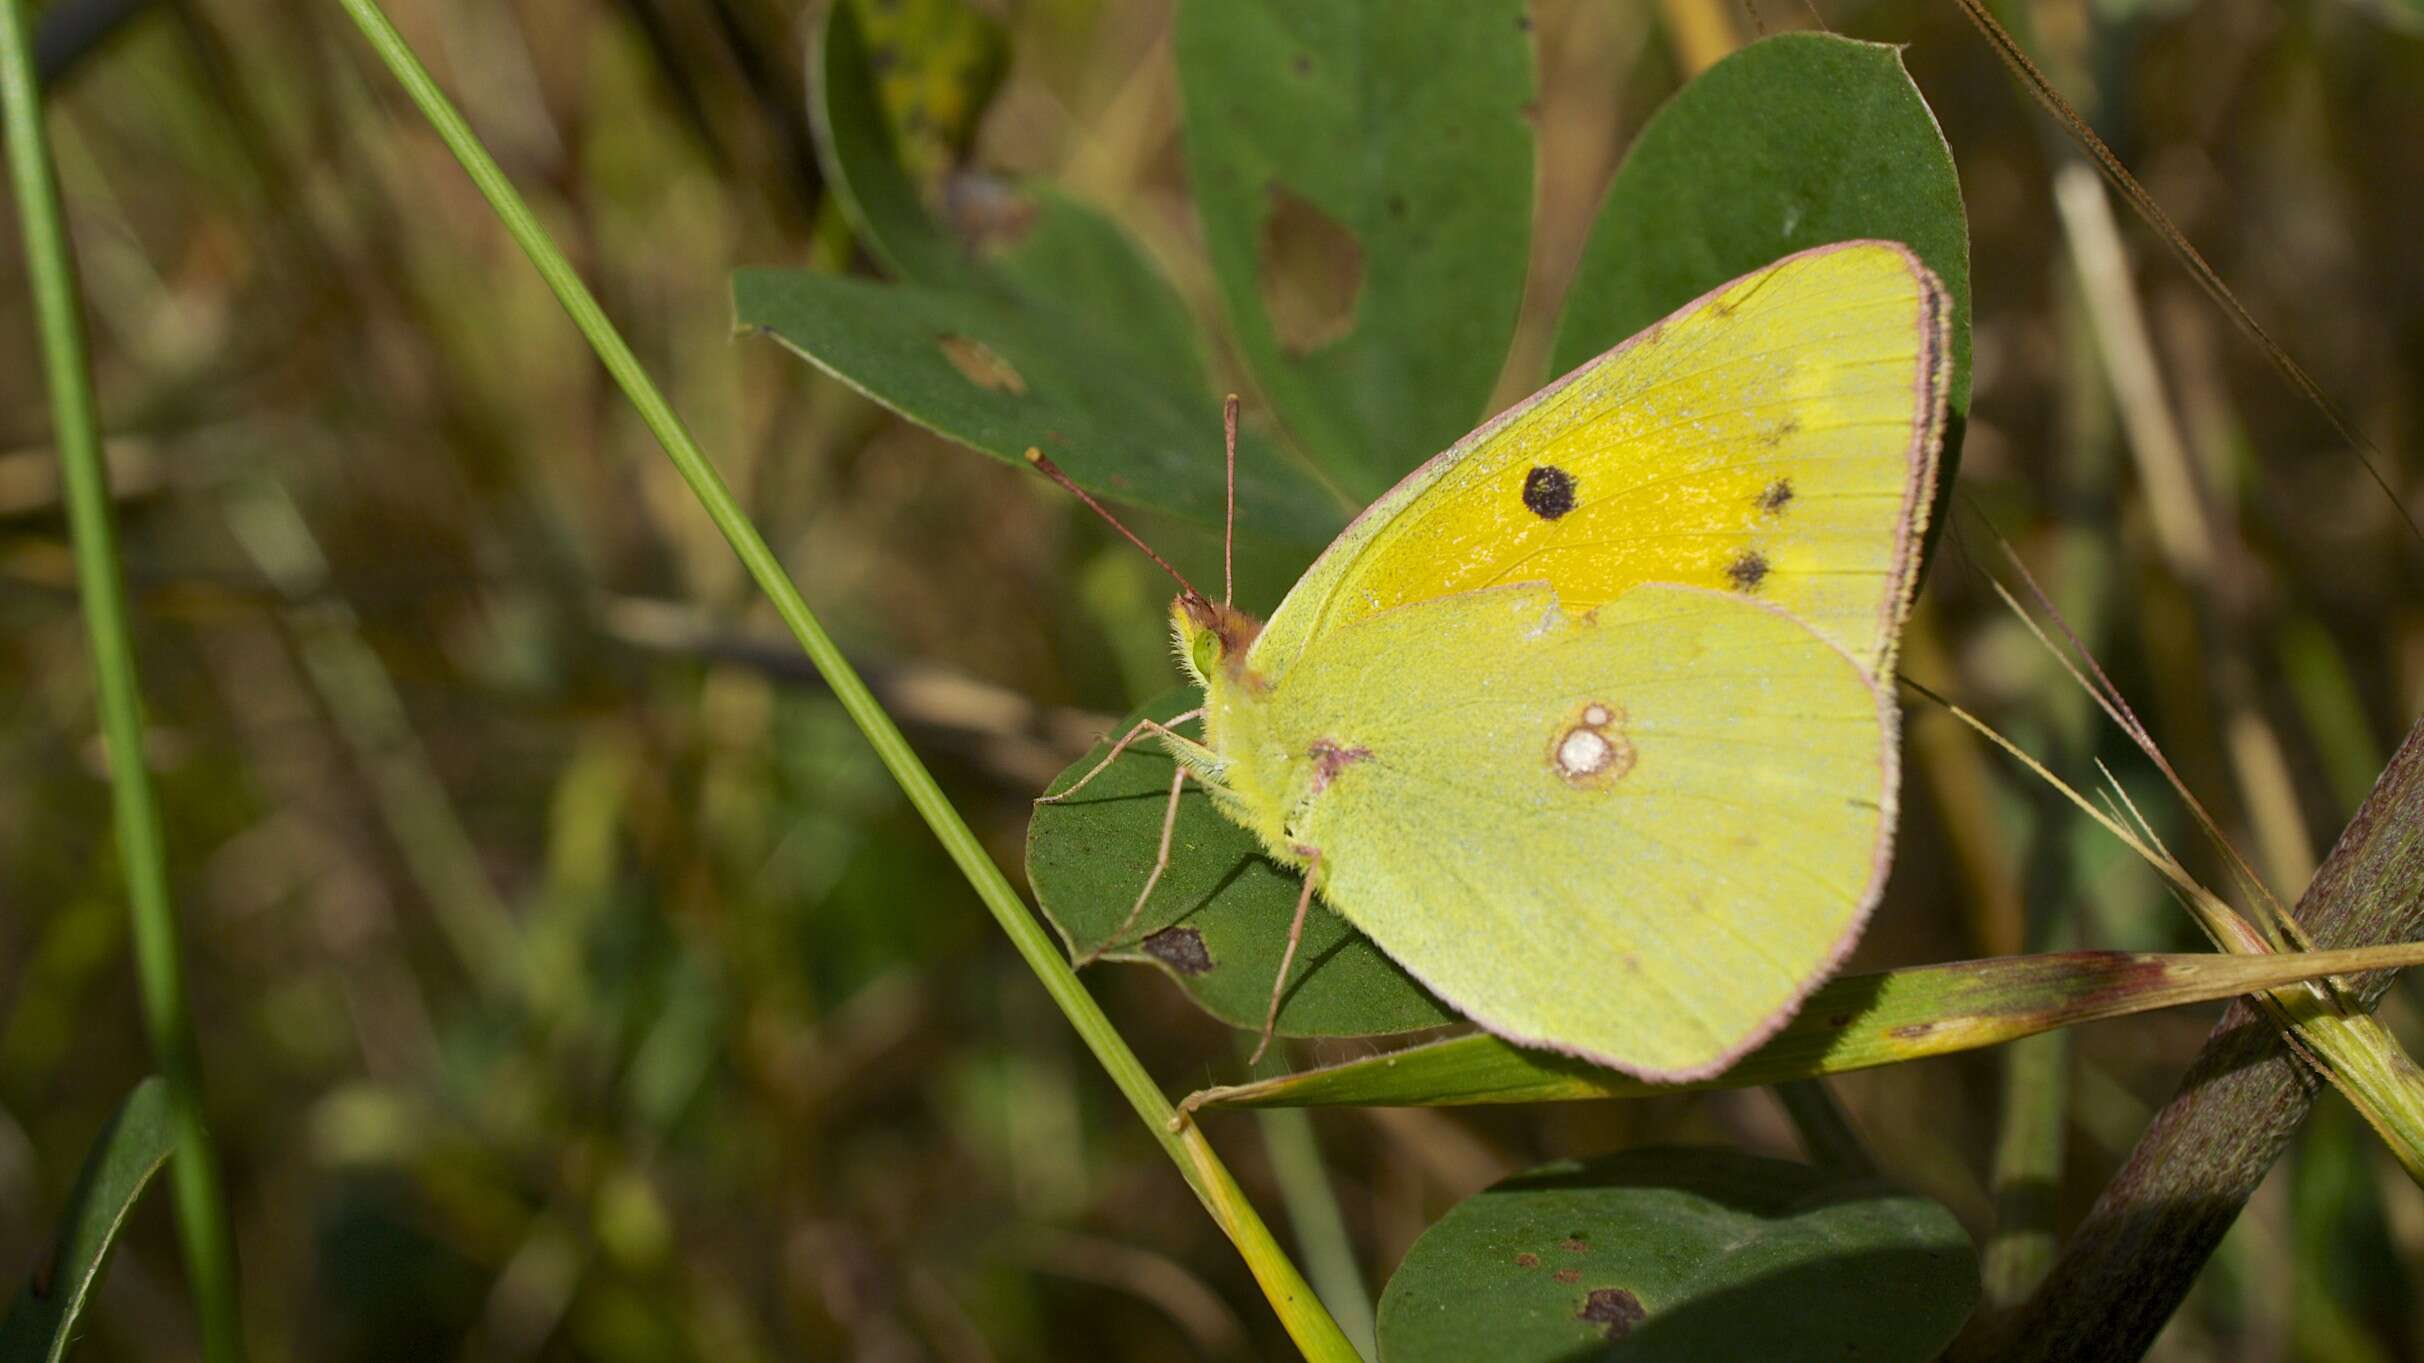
pixel 1212 638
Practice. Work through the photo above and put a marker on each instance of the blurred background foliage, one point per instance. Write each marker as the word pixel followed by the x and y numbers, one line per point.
pixel 573 983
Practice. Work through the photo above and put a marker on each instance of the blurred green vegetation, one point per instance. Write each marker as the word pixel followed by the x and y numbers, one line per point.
pixel 573 983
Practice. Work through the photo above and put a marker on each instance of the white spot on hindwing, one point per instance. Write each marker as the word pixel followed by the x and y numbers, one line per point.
pixel 1584 753
pixel 1589 750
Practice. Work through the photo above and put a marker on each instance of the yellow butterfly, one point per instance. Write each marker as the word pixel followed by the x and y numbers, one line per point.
pixel 1589 722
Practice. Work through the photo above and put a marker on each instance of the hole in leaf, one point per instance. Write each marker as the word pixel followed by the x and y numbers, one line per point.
pixel 978 364
pixel 1309 270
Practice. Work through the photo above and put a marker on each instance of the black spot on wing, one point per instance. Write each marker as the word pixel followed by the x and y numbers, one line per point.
pixel 1548 492
pixel 1748 570
pixel 1776 497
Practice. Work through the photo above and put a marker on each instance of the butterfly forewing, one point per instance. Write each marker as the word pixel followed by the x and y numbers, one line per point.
pixel 1774 440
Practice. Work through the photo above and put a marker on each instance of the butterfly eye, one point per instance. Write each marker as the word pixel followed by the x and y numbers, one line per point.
pixel 1205 648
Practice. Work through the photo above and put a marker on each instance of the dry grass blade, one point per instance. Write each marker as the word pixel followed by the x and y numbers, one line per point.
pixel 2318 1019
pixel 2363 450
pixel 2124 1271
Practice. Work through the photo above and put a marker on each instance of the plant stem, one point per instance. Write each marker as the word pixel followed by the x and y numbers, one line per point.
pixel 1299 1310
pixel 2131 1261
pixel 1311 1199
pixel 1826 1130
pixel 201 1204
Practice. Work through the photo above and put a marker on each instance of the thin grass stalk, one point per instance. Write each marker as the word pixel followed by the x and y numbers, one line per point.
pixel 2124 1271
pixel 200 1202
pixel 2036 1098
pixel 1311 1200
pixel 1826 1130
pixel 2198 550
pixel 1315 1333
pixel 361 697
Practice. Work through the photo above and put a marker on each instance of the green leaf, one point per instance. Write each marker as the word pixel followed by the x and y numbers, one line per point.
pixel 1066 252
pixel 1000 376
pixel 1854 1023
pixel 1685 1254
pixel 1794 142
pixel 1040 325
pixel 1218 920
pixel 1363 170
pixel 41 1323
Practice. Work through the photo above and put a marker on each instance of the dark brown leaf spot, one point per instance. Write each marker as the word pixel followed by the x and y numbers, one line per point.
pixel 1527 1259
pixel 1777 497
pixel 1568 1275
pixel 1575 1244
pixel 1181 949
pixel 1614 1310
pixel 1309 271
pixel 1748 570
pixel 977 363
pixel 1548 492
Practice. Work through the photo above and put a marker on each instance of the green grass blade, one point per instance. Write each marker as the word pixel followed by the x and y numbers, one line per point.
pixel 201 1205
pixel 1299 1310
pixel 140 1136
pixel 1311 1198
pixel 1854 1023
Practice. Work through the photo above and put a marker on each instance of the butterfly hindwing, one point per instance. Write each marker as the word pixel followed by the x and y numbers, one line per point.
pixel 1775 440
pixel 1639 835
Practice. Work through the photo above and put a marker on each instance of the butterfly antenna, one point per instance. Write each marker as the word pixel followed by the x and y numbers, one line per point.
pixel 1052 471
pixel 1228 533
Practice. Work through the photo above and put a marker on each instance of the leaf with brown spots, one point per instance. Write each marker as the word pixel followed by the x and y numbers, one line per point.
pixel 1853 1023
pixel 1221 905
pixel 1029 319
pixel 977 363
pixel 1693 1254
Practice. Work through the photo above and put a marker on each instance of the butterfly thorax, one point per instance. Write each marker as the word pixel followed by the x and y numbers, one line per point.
pixel 1251 771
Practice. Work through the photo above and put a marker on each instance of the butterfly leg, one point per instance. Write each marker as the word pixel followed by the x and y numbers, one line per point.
pixel 1161 863
pixel 1296 934
pixel 1135 732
